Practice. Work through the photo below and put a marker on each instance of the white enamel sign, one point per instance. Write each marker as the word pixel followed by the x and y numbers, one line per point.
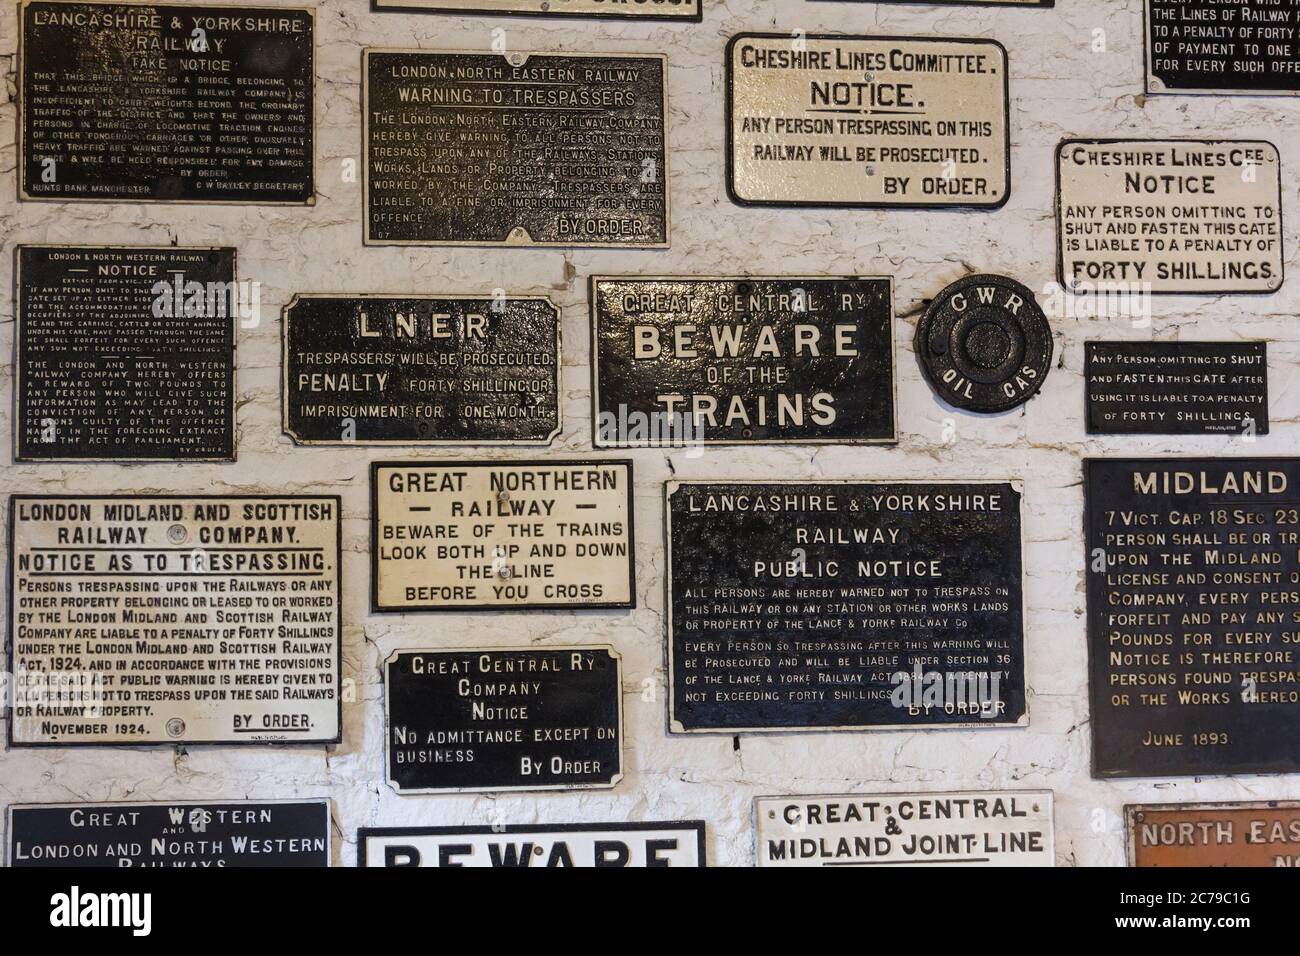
pixel 519 535
pixel 984 828
pixel 174 619
pixel 867 121
pixel 1169 216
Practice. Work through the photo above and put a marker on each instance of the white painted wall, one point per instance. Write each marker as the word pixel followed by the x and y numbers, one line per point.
pixel 1059 88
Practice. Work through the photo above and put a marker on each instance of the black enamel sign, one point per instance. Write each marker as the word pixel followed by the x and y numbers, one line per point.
pixel 687 361
pixel 515 149
pixel 1208 46
pixel 600 845
pixel 1176 388
pixel 184 102
pixel 1193 565
pixel 234 833
pixel 125 353
pixel 984 344
pixel 837 605
pixel 489 719
pixel 374 369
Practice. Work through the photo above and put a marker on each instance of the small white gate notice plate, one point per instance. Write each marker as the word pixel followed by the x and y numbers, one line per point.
pixel 1169 216
pixel 174 619
pixel 867 121
pixel 456 536
pixel 977 828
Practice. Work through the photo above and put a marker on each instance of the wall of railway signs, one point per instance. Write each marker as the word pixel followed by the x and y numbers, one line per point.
pixel 1076 71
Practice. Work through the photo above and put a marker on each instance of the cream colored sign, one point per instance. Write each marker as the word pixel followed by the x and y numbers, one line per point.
pixel 631 9
pixel 521 535
pixel 979 828
pixel 1171 216
pixel 867 121
pixel 175 619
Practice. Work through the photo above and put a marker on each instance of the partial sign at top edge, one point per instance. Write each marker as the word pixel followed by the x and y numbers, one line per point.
pixel 953 3
pixel 1211 47
pixel 689 10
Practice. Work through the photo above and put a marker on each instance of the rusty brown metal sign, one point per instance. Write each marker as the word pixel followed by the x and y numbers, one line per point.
pixel 1214 834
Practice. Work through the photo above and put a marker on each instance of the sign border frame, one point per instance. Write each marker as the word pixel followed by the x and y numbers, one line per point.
pixel 615 778
pixel 376 608
pixel 723 442
pixel 729 83
pixel 6 710
pixel 1109 141
pixel 527 55
pixel 325 803
pixel 20 100
pixel 698 826
pixel 427 443
pixel 17 366
pixel 674 728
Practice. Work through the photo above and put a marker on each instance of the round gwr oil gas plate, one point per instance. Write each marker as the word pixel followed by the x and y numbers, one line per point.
pixel 985 344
